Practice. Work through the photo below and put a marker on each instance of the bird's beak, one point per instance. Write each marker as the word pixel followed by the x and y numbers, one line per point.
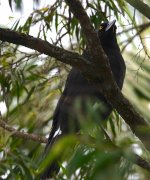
pixel 110 24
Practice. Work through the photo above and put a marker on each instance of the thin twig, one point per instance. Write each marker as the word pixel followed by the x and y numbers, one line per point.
pixel 141 26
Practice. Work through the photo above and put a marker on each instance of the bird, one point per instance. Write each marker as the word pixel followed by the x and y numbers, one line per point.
pixel 78 87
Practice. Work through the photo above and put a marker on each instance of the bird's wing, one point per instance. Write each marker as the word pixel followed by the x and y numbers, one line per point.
pixel 62 101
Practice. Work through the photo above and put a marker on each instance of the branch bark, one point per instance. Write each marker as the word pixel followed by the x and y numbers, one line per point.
pixel 91 70
pixel 44 47
pixel 20 134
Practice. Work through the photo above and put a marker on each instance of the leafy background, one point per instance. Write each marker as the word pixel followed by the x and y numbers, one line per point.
pixel 31 83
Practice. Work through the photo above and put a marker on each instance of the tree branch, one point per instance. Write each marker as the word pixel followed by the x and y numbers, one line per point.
pixel 20 134
pixel 44 47
pixel 141 162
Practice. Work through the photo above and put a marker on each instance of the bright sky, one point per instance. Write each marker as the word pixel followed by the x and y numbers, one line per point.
pixel 6 13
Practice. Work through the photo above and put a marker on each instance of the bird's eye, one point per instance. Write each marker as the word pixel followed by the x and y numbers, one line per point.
pixel 101 27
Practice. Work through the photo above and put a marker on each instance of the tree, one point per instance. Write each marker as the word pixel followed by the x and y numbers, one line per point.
pixel 29 81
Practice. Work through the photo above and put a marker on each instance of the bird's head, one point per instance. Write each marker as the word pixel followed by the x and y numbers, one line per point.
pixel 107 32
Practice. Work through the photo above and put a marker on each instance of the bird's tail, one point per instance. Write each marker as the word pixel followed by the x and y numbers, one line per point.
pixel 53 168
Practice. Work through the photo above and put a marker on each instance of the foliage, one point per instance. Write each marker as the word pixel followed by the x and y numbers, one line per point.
pixel 31 83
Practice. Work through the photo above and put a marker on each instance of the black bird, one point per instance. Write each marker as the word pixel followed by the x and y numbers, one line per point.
pixel 65 119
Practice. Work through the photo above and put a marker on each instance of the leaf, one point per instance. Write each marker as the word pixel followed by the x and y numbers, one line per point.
pixel 30 93
pixel 15 25
pixel 26 27
pixel 10 4
pixel 79 159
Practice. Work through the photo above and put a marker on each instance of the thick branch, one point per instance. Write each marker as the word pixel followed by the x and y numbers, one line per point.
pixel 20 134
pixel 43 47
